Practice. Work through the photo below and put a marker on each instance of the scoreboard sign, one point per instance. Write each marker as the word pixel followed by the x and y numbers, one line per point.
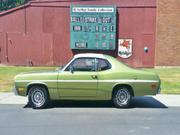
pixel 93 27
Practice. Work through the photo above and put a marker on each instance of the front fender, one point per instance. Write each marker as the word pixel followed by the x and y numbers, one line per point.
pixel 35 83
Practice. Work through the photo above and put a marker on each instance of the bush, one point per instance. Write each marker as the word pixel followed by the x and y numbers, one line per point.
pixel 8 4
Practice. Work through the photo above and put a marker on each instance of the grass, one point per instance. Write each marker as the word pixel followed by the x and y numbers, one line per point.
pixel 170 80
pixel 7 74
pixel 170 77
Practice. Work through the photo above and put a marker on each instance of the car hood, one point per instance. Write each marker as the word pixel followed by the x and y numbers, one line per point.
pixel 36 75
pixel 38 72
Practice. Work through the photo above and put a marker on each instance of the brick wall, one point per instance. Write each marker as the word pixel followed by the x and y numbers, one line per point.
pixel 168 33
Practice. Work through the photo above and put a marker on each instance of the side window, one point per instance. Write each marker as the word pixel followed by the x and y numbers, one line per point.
pixel 83 64
pixel 103 65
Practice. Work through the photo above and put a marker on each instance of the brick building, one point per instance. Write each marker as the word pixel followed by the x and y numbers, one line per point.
pixel 39 32
pixel 168 33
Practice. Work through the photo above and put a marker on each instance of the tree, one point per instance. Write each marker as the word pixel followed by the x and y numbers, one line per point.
pixel 8 4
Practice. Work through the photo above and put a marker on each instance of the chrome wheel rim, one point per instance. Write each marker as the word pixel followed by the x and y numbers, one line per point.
pixel 122 96
pixel 37 97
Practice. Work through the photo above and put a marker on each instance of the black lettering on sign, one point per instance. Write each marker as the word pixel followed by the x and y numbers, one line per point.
pixel 111 28
pixel 96 28
pixel 75 19
pixel 106 20
pixel 90 19
pixel 81 45
pixel 77 28
pixel 104 28
pixel 87 28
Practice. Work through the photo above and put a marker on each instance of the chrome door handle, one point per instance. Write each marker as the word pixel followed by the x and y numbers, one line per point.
pixel 94 76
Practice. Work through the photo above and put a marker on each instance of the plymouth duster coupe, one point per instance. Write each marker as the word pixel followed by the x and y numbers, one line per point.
pixel 87 76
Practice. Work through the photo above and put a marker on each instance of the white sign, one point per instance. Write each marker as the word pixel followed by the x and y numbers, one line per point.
pixel 92 9
pixel 125 48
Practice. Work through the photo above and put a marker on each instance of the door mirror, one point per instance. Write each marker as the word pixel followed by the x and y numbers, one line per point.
pixel 71 69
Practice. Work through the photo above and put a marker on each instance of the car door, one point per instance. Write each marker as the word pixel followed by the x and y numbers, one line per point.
pixel 79 79
pixel 104 78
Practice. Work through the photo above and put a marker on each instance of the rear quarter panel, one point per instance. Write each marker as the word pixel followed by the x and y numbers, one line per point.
pixel 120 74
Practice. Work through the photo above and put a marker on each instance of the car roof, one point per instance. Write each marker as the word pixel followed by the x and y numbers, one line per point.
pixel 95 55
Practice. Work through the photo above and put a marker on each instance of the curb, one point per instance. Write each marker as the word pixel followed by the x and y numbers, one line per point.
pixel 10 98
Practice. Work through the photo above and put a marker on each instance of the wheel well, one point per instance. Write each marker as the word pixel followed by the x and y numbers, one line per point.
pixel 123 85
pixel 39 85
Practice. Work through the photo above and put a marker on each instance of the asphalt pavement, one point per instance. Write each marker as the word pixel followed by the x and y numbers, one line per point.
pixel 144 101
pixel 148 115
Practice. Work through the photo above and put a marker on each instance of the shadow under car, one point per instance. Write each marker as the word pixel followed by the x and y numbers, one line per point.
pixel 137 102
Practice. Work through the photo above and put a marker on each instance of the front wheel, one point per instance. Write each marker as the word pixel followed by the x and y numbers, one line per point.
pixel 122 97
pixel 38 97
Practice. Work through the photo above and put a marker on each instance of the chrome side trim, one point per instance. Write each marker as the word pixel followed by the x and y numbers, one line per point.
pixel 107 81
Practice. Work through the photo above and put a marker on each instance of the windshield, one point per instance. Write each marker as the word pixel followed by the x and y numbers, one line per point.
pixel 63 67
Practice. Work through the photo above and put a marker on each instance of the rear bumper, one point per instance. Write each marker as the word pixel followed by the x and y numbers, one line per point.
pixel 159 91
pixel 159 88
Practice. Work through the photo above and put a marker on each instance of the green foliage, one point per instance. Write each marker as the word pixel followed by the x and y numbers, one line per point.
pixel 7 75
pixel 170 80
pixel 8 4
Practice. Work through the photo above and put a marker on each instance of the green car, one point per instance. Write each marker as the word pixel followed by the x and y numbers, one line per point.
pixel 87 77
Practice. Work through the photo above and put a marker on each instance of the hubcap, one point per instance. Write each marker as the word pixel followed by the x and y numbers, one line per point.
pixel 122 96
pixel 38 97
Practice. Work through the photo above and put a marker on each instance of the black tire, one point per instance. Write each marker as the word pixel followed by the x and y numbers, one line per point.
pixel 122 97
pixel 38 97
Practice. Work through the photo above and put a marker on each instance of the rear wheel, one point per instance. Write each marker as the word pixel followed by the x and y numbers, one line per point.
pixel 38 97
pixel 122 97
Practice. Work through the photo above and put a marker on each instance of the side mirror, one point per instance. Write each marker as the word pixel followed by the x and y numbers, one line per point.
pixel 59 68
pixel 71 69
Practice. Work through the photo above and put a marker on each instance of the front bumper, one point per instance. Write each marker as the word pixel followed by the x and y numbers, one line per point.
pixel 14 90
pixel 20 91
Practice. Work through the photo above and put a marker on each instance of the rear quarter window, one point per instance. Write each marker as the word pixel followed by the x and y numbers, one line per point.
pixel 103 65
